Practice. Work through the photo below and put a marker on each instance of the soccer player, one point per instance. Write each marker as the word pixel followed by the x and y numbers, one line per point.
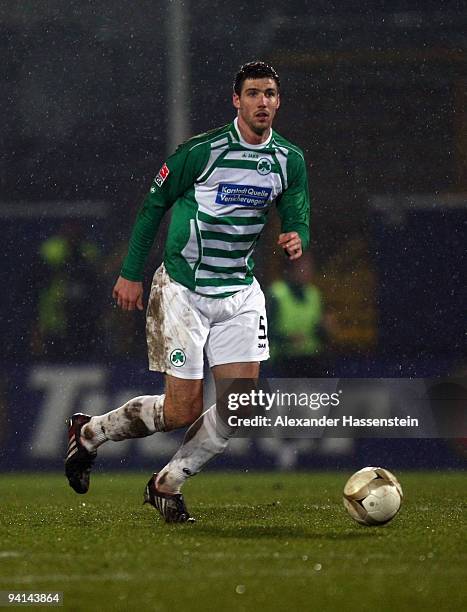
pixel 220 186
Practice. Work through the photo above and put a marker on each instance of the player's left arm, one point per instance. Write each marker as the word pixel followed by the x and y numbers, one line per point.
pixel 293 206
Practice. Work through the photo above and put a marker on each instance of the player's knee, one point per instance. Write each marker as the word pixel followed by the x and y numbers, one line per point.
pixel 192 410
pixel 182 411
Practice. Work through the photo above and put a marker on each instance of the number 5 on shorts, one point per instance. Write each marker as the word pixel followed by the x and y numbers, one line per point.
pixel 262 328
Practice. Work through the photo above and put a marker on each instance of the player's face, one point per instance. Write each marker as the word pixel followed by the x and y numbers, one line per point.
pixel 257 104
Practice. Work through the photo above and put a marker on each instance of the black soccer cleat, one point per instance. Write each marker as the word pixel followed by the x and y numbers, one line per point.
pixel 79 460
pixel 171 506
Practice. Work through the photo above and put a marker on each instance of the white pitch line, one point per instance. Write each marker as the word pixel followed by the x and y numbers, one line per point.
pixel 307 570
pixel 65 578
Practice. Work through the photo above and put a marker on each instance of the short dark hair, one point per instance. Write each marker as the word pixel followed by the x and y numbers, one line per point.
pixel 254 70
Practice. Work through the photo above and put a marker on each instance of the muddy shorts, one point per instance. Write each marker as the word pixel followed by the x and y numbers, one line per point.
pixel 181 324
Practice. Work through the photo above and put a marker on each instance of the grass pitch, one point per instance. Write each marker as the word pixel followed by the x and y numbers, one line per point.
pixel 277 541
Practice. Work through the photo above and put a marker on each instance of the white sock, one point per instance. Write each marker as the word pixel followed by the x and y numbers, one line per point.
pixel 207 437
pixel 138 418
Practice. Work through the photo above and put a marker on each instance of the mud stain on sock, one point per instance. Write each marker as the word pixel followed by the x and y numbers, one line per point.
pixel 138 429
pixel 86 433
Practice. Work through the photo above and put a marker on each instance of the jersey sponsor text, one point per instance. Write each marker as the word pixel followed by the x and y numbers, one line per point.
pixel 243 195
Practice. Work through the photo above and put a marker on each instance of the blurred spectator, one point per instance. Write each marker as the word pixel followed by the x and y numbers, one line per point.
pixel 68 300
pixel 299 326
pixel 348 281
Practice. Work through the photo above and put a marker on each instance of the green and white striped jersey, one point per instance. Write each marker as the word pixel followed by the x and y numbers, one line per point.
pixel 221 189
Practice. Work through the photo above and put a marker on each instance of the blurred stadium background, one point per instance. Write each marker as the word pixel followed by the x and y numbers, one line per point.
pixel 94 96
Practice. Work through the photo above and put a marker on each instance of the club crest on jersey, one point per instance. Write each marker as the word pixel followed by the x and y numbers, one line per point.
pixel 163 174
pixel 263 166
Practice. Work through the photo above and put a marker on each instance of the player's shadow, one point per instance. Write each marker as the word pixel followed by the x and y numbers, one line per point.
pixel 254 532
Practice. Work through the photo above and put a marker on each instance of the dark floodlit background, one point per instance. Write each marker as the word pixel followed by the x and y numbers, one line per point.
pixel 96 94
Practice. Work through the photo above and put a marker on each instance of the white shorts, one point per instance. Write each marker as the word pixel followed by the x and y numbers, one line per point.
pixel 180 324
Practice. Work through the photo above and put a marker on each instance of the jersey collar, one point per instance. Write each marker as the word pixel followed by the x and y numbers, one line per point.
pixel 246 144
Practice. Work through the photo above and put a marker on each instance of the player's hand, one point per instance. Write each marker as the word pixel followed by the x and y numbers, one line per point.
pixel 129 294
pixel 291 243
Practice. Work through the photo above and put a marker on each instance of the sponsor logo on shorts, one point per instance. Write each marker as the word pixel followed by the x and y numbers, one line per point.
pixel 243 195
pixel 177 358
pixel 263 166
pixel 163 174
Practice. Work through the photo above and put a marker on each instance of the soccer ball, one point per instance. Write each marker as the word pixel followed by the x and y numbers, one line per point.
pixel 372 496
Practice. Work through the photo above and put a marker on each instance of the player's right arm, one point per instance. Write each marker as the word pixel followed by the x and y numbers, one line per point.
pixel 128 294
pixel 176 176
